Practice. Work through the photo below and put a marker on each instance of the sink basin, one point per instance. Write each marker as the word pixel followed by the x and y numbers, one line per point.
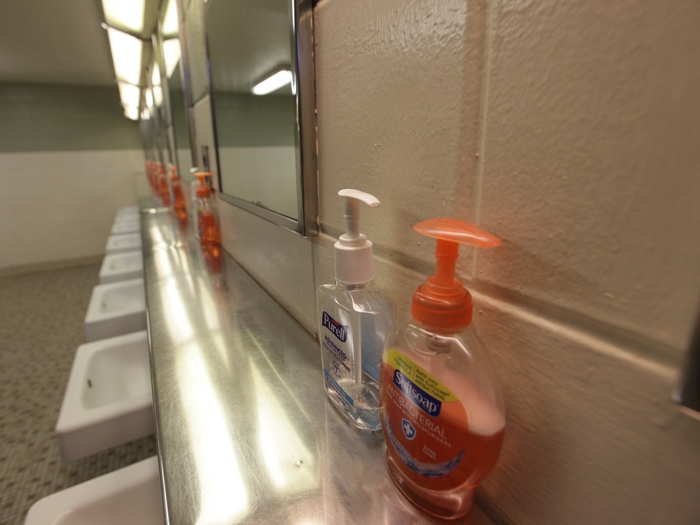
pixel 123 243
pixel 129 495
pixel 108 399
pixel 116 309
pixel 121 266
pixel 125 226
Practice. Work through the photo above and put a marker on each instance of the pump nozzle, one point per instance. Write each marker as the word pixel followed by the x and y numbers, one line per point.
pixel 353 251
pixel 442 303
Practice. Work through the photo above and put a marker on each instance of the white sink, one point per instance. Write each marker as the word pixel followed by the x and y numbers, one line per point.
pixel 108 399
pixel 123 243
pixel 121 266
pixel 125 226
pixel 116 309
pixel 130 495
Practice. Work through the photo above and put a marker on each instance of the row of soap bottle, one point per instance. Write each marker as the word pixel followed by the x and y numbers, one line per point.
pixel 208 230
pixel 429 387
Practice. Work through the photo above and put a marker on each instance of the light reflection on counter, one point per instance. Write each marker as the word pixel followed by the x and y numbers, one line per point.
pixel 289 463
pixel 223 494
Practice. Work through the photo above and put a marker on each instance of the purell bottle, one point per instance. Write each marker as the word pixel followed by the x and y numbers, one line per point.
pixel 356 323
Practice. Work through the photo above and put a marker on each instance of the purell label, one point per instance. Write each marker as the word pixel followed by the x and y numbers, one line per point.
pixel 420 397
pixel 338 330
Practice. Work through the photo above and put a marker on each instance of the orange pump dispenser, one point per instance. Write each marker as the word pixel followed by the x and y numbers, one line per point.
pixel 179 203
pixel 442 415
pixel 207 219
pixel 442 303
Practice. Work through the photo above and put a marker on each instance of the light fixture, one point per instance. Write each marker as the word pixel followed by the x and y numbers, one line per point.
pixel 171 55
pixel 131 112
pixel 129 94
pixel 126 54
pixel 155 85
pixel 149 98
pixel 170 25
pixel 127 15
pixel 273 82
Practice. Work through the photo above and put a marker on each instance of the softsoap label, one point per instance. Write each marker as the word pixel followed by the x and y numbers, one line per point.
pixel 425 424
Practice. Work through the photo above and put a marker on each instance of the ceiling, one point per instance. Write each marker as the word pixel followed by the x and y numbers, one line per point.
pixel 54 42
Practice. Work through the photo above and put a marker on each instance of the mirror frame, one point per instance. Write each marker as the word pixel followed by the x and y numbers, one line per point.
pixel 303 83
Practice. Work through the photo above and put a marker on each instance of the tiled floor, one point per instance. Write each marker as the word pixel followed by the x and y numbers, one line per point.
pixel 41 325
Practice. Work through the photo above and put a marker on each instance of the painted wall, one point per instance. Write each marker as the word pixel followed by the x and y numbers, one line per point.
pixel 566 128
pixel 68 159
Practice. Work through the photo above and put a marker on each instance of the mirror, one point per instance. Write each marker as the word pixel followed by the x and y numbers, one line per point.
pixel 262 99
pixel 180 122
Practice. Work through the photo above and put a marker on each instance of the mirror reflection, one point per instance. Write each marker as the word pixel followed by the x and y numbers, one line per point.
pixel 178 116
pixel 254 104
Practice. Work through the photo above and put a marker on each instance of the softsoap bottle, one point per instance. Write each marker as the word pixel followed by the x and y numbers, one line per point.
pixel 443 416
pixel 179 204
pixel 207 219
pixel 355 323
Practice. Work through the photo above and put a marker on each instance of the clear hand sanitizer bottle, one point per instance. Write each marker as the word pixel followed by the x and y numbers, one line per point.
pixel 356 323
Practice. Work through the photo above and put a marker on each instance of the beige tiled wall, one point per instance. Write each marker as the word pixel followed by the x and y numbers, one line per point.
pixel 567 129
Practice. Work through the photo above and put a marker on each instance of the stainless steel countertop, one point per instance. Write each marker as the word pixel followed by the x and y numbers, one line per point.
pixel 245 434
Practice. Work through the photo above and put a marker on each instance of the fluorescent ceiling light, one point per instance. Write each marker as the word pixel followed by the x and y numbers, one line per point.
pixel 170 25
pixel 130 95
pixel 127 14
pixel 155 83
pixel 155 75
pixel 131 112
pixel 273 82
pixel 126 54
pixel 171 55
pixel 149 98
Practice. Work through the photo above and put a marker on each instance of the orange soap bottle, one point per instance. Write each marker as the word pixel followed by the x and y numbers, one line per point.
pixel 179 203
pixel 207 218
pixel 163 188
pixel 443 416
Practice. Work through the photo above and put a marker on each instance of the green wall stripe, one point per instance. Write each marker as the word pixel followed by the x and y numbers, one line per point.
pixel 37 117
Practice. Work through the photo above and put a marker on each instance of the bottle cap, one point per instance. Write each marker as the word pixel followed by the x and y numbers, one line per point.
pixel 442 303
pixel 354 263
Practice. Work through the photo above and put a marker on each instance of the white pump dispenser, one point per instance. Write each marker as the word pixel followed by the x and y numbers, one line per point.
pixel 353 251
pixel 355 322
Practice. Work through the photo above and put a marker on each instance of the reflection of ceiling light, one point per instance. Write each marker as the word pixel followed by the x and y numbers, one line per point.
pixel 155 82
pixel 145 114
pixel 155 75
pixel 129 94
pixel 170 26
pixel 126 54
pixel 149 98
pixel 273 82
pixel 171 55
pixel 125 14
pixel 131 112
